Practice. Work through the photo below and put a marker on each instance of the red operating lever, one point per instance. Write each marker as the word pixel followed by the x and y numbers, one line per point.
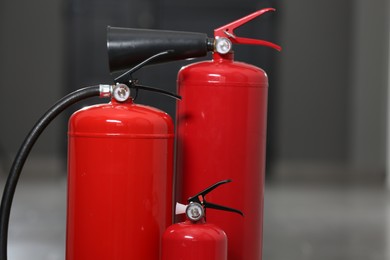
pixel 228 31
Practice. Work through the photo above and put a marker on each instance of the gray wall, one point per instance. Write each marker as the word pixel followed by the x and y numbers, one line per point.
pixel 332 113
pixel 369 86
pixel 31 52
pixel 314 85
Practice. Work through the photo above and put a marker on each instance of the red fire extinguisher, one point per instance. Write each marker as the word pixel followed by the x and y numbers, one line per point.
pixel 222 135
pixel 120 177
pixel 195 239
pixel 121 154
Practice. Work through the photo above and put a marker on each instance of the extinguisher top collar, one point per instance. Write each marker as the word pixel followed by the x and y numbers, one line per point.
pixel 121 121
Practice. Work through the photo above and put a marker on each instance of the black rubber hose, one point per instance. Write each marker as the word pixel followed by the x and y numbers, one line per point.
pixel 24 150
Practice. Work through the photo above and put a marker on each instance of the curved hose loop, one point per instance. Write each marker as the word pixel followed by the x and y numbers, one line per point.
pixel 24 150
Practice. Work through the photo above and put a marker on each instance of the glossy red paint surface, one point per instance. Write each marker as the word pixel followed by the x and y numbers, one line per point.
pixel 119 182
pixel 222 135
pixel 190 241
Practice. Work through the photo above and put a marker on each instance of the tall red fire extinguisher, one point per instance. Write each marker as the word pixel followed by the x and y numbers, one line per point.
pixel 195 239
pixel 222 135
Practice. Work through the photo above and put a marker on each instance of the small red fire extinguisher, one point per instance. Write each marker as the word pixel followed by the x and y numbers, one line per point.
pixel 195 239
pixel 222 135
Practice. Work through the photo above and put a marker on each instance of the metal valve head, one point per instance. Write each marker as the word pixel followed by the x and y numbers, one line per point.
pixel 197 204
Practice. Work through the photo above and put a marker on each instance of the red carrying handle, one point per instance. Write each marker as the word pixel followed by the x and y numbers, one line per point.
pixel 228 31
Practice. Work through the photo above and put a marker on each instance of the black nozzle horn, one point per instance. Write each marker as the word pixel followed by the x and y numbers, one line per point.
pixel 128 47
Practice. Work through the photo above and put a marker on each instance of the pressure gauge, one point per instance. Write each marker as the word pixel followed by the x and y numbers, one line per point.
pixel 195 211
pixel 222 45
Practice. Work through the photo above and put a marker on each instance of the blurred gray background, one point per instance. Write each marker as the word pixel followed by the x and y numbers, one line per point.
pixel 328 110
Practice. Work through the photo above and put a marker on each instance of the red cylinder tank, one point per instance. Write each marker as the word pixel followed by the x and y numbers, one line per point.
pixel 222 135
pixel 120 182
pixel 194 241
